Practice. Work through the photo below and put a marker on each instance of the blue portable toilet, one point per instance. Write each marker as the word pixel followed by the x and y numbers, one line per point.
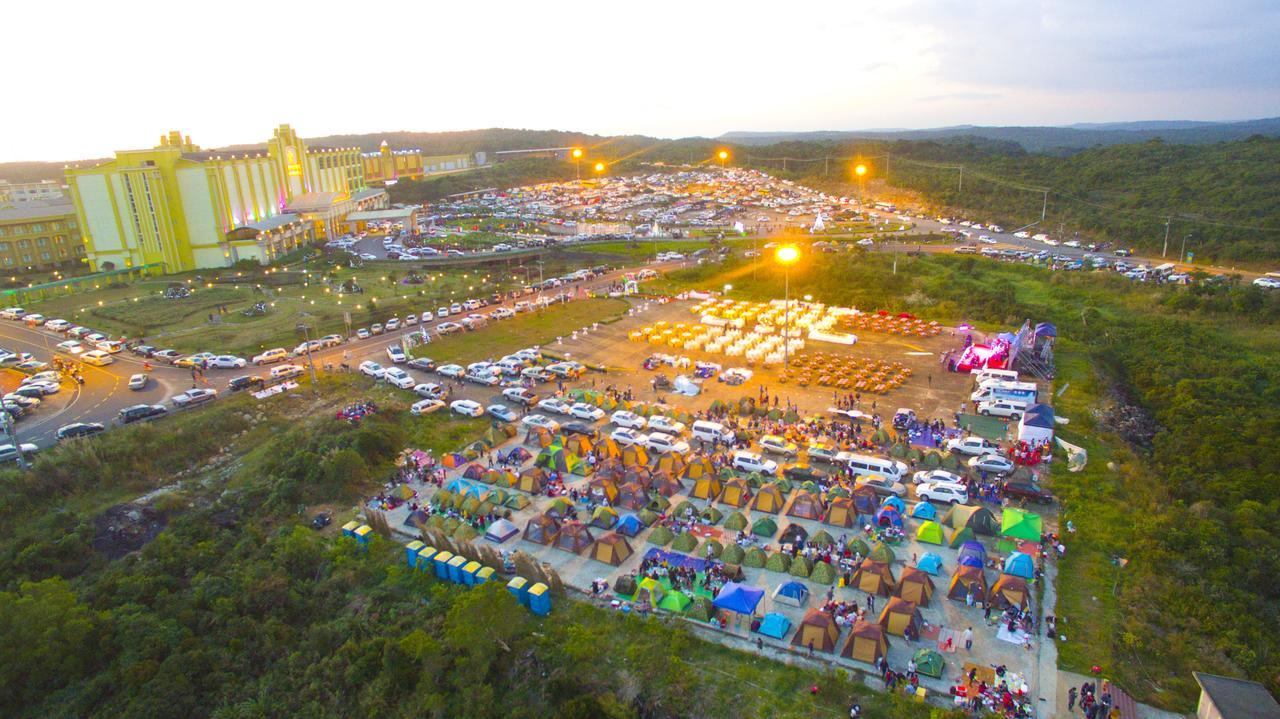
pixel 411 552
pixel 364 533
pixel 469 573
pixel 441 561
pixel 484 574
pixel 540 599
pixel 349 529
pixel 455 568
pixel 425 557
pixel 519 587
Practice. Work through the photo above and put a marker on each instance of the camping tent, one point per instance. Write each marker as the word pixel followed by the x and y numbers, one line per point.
pixel 560 508
pixel 888 516
pixel 736 493
pixel 573 537
pixel 500 531
pixel 740 598
pixel 901 617
pixel 873 577
pixel 794 534
pixel 612 548
pixel 629 525
pixel 764 527
pixel 930 562
pixel 651 590
pixel 924 510
pixel 817 630
pixel 1036 424
pixel 867 643
pixel 979 519
pixel 1012 590
pixel 794 593
pixel 1020 565
pixel 634 455
pixel 768 499
pixel 698 467
pixel 841 513
pixel 965 580
pixel 533 480
pixel 473 471
pixel 1020 524
pixel 805 505
pixel 632 495
pixel 672 463
pixel 675 602
pixel 865 499
pixel 604 489
pixel 708 488
pixel 959 537
pixel 604 517
pixel 929 532
pixel 895 502
pixel 541 529
pixel 929 662
pixel 915 586
pixel 499 477
pixel 882 553
pixel 775 625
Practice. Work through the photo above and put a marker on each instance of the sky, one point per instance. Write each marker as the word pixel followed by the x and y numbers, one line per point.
pixel 88 78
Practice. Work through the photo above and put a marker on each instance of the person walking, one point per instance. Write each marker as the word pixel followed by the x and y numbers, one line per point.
pixel 968 639
pixel 1071 700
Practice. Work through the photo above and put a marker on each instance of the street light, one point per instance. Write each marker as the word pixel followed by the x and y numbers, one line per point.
pixel 577 155
pixel 860 171
pixel 723 155
pixel 599 167
pixel 787 255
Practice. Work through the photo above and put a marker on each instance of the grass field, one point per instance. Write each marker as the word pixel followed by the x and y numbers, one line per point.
pixel 523 330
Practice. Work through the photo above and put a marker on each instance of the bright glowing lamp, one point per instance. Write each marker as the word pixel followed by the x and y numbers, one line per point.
pixel 787 255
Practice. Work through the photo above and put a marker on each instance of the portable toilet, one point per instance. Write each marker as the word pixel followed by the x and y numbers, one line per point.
pixel 349 529
pixel 469 573
pixel 364 533
pixel 442 564
pixel 455 568
pixel 519 587
pixel 425 557
pixel 539 599
pixel 484 574
pixel 411 552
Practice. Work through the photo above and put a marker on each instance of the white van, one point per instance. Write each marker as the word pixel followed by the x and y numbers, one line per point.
pixel 285 371
pixel 865 465
pixel 711 431
pixel 1004 375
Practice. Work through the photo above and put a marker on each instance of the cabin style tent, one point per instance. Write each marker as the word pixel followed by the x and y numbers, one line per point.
pixel 818 630
pixel 805 505
pixel 768 499
pixel 867 643
pixel 1011 590
pixel 603 489
pixel 541 529
pixel 915 586
pixel 841 513
pixel 794 593
pixel 532 480
pixel 979 519
pixel 736 493
pixel 708 488
pixel 612 549
pixel 633 496
pixel 900 617
pixel 873 577
pixel 967 580
pixel 664 484
pixel 573 537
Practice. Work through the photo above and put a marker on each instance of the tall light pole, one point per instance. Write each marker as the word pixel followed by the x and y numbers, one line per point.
pixel 577 164
pixel 722 156
pixel 787 255
pixel 860 171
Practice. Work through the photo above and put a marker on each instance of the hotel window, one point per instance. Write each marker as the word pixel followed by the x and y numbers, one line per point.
pixel 8 261
pixel 26 259
pixel 36 228
pixel 62 253
pixel 24 244
pixel 42 242
pixel 44 256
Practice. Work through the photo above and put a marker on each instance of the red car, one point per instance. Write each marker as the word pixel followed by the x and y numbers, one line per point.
pixel 1027 490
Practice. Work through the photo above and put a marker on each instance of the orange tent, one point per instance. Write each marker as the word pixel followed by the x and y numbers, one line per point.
pixel 736 493
pixel 768 499
pixel 873 577
pixel 819 630
pixel 900 617
pixel 841 513
pixel 915 586
pixel 867 643
pixel 605 488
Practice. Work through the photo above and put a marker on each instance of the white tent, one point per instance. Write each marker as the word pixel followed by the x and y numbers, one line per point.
pixel 1036 424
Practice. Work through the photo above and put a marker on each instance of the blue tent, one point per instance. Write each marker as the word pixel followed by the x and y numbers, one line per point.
pixel 792 593
pixel 629 525
pixel 738 598
pixel 970 560
pixel 457 486
pixel 924 510
pixel 1046 329
pixel 775 625
pixel 931 563
pixel 1020 565
pixel 894 502
pixel 888 515
pixel 974 547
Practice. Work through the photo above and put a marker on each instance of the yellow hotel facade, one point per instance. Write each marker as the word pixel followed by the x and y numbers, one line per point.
pixel 186 208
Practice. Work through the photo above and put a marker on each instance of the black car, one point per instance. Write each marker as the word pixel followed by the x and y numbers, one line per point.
pixel 423 364
pixel 1027 490
pixel 78 429
pixel 249 381
pixel 579 428
pixel 321 520
pixel 804 474
pixel 140 412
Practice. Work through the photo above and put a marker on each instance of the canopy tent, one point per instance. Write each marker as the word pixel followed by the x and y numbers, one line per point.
pixel 768 499
pixel 929 532
pixel 1011 590
pixel 873 577
pixel 930 562
pixel 708 488
pixel 1035 426
pixel 1021 524
pixel 818 631
pixel 1020 565
pixel 604 517
pixel 736 493
pixel 841 513
pixel 573 537
pixel 929 662
pixel 739 598
pixel 541 529
pixel 774 625
pixel 794 593
pixel 867 643
pixel 764 527
pixel 675 602
pixel 900 617
pixel 629 525
pixel 924 510
pixel 1046 329
pixel 500 531
pixel 612 548
pixel 968 580
pixel 805 505
pixel 915 586
pixel 979 519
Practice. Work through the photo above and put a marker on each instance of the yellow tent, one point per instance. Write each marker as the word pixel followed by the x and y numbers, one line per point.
pixel 540 436
pixel 672 463
pixel 867 643
pixel 736 493
pixel 915 586
pixel 842 513
pixel 608 449
pixel 578 444
pixel 606 488
pixel 698 467
pixel 707 488
pixel 634 455
pixel 968 579
pixel 612 548
pixel 900 617
pixel 533 480
pixel 1011 589
pixel 768 499
pixel 500 477
pixel 819 630
pixel 873 577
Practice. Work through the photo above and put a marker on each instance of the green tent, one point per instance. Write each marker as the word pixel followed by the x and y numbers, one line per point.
pixel 658 503
pixel 714 547
pixel 929 662
pixel 647 516
pixel 929 532
pixel 675 602
pixel 882 553
pixel 914 454
pixel 516 501
pixel 764 527
pixel 451 525
pixel 1020 524
pixel 836 492
pixel 880 436
pixel 960 536
pixel 823 573
pixel 822 539
pixel 932 460
pixel 778 562
pixel 898 450
pixel 702 609
pixel 800 566
pixel 684 508
pixel 857 546
pixel 736 522
pixel 685 543
pixel 711 515
pixel 733 554
pixel 442 498
pixel 755 558
pixel 661 536
pixel 465 533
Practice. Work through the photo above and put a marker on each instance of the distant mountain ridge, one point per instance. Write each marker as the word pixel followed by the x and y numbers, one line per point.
pixel 1042 139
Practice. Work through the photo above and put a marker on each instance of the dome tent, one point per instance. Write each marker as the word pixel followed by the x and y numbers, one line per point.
pixel 794 593
pixel 966 580
pixel 929 662
pixel 774 625
pixel 929 532
pixel 541 529
pixel 929 563
pixel 1011 590
pixel 612 549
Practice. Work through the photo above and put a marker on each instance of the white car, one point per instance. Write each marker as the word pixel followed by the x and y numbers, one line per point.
pixel 372 369
pixel 452 371
pixel 502 412
pixel 582 410
pixel 627 436
pixel 992 463
pixel 551 404
pixel 482 378
pixel 226 362
pixel 1002 408
pixel 467 407
pixel 752 462
pixel 272 355
pixel 393 324
pixel 195 395
pixel 623 418
pixel 866 242
pixel 521 395
pixel 97 357
pixel 70 347
pixel 430 390
pixel 1268 283
pixel 946 492
pixel 9 453
pixel 425 406
pixel 666 424
pixel 972 446
pixel 664 443
pixel 396 355
pixel 502 313
pixel 935 475
pixel 363 333
pixel 398 377
pixel 539 420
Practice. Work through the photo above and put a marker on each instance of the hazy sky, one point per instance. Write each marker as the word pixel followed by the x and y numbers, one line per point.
pixel 87 78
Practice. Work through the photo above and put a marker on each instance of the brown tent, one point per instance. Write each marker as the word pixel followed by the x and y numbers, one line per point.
pixel 612 548
pixel 818 629
pixel 842 513
pixel 541 529
pixel 805 505
pixel 1011 589
pixel 603 489
pixel 873 577
pixel 737 493
pixel 707 488
pixel 915 586
pixel 610 468
pixel 573 537
pixel 968 579
pixel 533 480
pixel 632 495
pixel 867 643
pixel 768 499
pixel 901 617
pixel 665 484
pixel 540 436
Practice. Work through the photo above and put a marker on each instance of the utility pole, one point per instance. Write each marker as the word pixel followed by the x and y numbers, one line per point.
pixel 826 165
pixel 960 186
pixel 1044 209
pixel 784 164
pixel 1165 251
pixel 311 365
